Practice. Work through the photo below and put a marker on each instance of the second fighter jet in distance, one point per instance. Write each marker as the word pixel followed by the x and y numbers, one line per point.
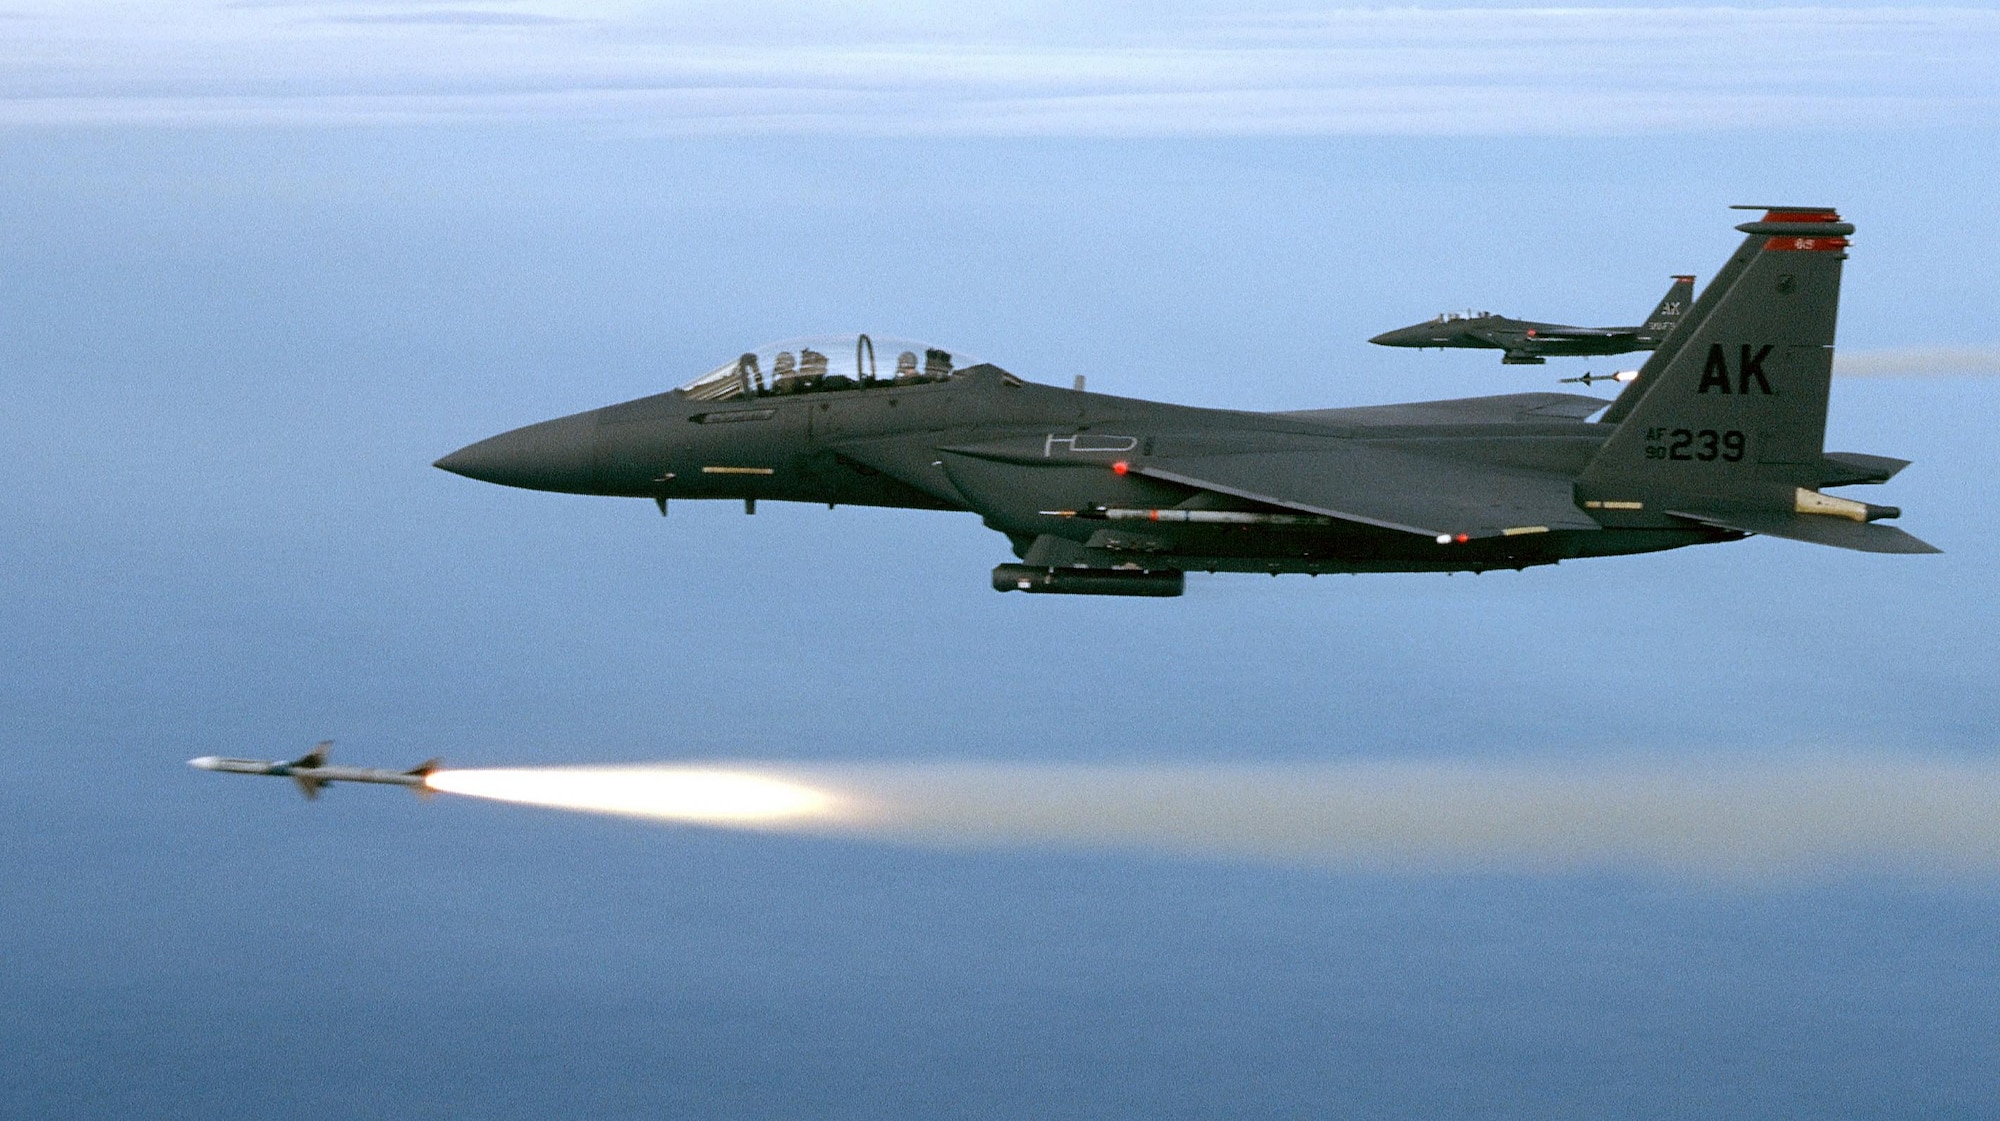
pixel 1718 436
pixel 1529 343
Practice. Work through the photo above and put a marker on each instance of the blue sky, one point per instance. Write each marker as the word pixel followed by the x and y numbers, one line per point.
pixel 263 263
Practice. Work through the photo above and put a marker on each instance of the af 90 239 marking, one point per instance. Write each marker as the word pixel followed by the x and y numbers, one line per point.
pixel 1706 445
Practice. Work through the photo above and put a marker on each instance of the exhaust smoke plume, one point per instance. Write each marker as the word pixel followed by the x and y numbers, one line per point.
pixel 1919 362
pixel 1723 817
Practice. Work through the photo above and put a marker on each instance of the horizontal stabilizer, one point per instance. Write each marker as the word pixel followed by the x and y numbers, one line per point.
pixel 1841 469
pixel 1819 529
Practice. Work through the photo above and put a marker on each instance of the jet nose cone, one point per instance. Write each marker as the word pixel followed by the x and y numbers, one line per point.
pixel 558 454
pixel 205 762
pixel 1401 336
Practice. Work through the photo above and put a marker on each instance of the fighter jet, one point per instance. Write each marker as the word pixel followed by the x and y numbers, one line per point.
pixel 1528 344
pixel 311 771
pixel 1718 436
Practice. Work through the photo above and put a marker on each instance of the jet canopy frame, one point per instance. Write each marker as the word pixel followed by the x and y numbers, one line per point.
pixel 828 364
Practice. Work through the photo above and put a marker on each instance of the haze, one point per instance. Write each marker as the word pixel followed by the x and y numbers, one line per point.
pixel 262 264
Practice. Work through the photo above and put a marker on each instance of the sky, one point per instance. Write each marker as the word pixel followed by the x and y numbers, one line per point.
pixel 262 263
pixel 1036 69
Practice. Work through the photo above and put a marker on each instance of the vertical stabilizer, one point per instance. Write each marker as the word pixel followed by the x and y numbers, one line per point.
pixel 1663 355
pixel 1666 314
pixel 1733 409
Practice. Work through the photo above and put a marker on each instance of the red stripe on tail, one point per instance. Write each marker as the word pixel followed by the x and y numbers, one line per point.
pixel 1804 244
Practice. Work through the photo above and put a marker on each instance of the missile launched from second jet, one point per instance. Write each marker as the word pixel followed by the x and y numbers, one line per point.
pixel 311 771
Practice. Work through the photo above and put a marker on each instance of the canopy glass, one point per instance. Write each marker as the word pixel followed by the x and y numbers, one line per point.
pixel 825 364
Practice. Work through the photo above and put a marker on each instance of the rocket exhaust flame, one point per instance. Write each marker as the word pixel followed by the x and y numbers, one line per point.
pixel 1721 817
pixel 668 793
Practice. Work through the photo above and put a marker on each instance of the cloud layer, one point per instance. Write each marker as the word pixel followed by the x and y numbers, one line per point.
pixel 1040 70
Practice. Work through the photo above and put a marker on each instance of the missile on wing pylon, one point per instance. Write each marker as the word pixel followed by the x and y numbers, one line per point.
pixel 311 771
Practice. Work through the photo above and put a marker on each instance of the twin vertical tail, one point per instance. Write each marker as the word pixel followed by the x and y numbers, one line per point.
pixel 1726 422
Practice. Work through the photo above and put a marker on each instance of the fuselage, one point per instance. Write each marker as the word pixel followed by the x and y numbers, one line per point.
pixel 1042 465
pixel 1520 336
pixel 1719 435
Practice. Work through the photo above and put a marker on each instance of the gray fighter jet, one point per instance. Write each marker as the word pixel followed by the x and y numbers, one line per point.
pixel 311 770
pixel 1528 343
pixel 1718 437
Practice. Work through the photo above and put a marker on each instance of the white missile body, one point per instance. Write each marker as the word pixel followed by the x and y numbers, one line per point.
pixel 311 771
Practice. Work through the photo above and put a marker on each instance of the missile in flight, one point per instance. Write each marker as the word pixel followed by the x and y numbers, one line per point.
pixel 311 771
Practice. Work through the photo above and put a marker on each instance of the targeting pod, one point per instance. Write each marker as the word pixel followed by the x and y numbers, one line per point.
pixel 1089 581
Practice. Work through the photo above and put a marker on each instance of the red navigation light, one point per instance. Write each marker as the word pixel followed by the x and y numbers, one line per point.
pixel 1121 467
pixel 1462 538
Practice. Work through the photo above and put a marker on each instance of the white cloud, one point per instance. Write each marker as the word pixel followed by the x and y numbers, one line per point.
pixel 1076 70
pixel 1919 362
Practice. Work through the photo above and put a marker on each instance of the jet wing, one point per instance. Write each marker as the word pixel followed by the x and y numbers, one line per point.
pixel 1506 408
pixel 1377 484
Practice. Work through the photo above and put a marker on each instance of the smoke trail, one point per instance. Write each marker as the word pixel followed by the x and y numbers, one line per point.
pixel 1709 817
pixel 1918 362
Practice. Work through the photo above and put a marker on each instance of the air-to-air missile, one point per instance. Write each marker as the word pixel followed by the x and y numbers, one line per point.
pixel 311 771
pixel 1716 437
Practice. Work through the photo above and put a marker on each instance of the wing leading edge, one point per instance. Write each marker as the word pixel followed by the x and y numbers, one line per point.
pixel 1505 408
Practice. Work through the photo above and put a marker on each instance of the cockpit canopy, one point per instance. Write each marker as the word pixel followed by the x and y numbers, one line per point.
pixel 825 364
